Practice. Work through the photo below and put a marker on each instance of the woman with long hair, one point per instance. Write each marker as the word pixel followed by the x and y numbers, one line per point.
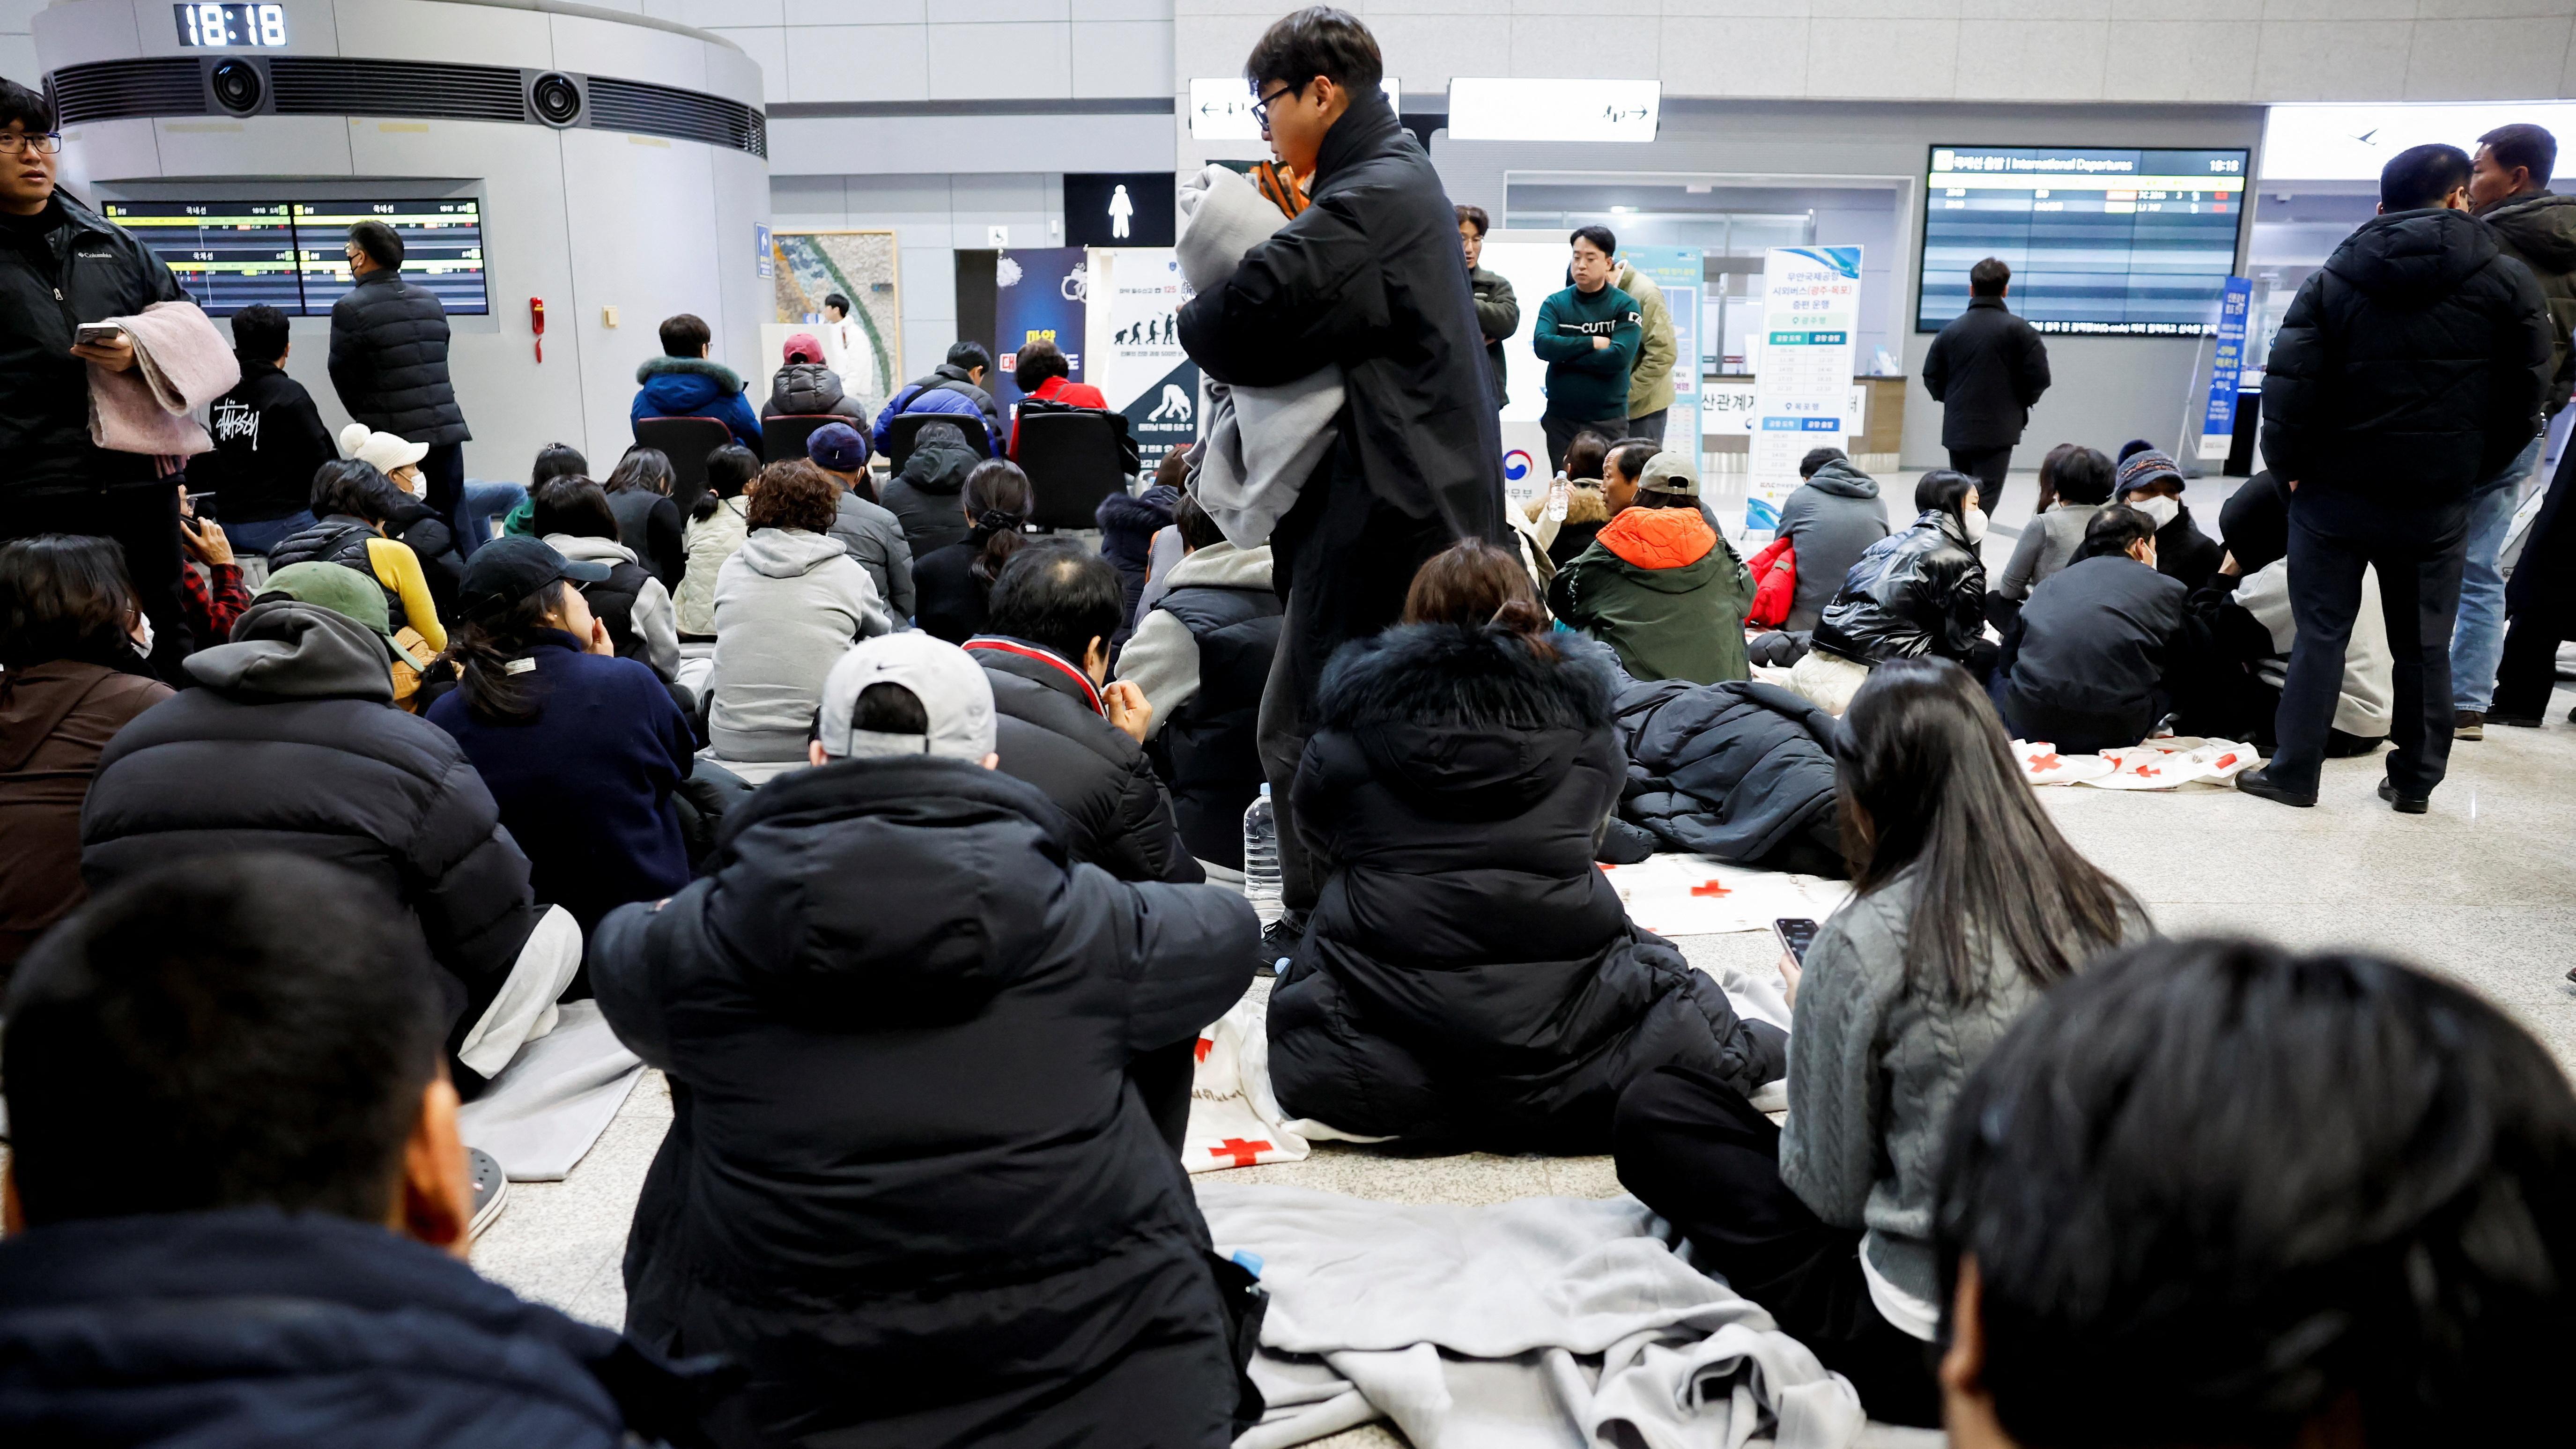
pixel 1966 904
pixel 72 673
pixel 581 749
pixel 648 521
pixel 951 585
pixel 718 523
pixel 1918 591
pixel 2074 481
pixel 1468 976
pixel 352 504
pixel 576 519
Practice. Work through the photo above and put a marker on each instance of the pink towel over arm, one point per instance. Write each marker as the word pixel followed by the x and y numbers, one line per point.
pixel 181 363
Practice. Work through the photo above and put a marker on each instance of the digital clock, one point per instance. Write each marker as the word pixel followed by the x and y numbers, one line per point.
pixel 231 27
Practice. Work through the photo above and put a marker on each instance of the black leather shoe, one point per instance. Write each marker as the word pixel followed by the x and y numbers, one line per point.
pixel 2403 804
pixel 2520 722
pixel 2259 783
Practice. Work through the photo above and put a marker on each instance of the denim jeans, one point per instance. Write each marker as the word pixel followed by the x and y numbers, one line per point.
pixel 2477 641
pixel 267 533
pixel 483 504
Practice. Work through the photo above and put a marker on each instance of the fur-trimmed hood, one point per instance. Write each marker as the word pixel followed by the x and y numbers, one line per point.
pixel 1583 504
pixel 678 387
pixel 1470 721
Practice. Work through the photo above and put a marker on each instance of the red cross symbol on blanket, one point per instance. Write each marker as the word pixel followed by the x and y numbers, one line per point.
pixel 1244 1153
pixel 1711 888
pixel 1200 1052
pixel 2045 762
pixel 2148 772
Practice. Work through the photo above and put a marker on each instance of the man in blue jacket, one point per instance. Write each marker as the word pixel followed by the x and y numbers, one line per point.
pixel 237 1205
pixel 955 388
pixel 686 383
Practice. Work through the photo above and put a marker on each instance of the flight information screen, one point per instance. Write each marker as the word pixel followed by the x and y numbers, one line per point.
pixel 2103 241
pixel 294 255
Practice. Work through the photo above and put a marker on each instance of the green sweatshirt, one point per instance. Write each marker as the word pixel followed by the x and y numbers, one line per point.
pixel 1587 383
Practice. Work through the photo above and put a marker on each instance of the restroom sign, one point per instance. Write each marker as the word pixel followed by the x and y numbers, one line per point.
pixel 1119 209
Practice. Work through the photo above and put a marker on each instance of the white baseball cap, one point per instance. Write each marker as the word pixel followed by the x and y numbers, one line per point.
pixel 954 693
pixel 386 450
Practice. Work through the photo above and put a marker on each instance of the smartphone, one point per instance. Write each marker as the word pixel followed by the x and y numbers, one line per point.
pixel 202 506
pixel 91 332
pixel 1796 934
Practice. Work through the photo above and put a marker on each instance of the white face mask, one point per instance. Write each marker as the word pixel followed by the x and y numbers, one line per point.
pixel 142 635
pixel 2161 508
pixel 1973 522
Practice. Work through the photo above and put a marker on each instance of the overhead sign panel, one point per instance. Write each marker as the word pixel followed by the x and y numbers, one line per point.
pixel 1221 107
pixel 1504 109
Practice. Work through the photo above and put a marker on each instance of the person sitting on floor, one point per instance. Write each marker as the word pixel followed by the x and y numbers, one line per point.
pixel 2105 647
pixel 238 1208
pixel 1127 527
pixel 924 496
pixel 291 742
pixel 1586 508
pixel 212 596
pixel 718 523
pixel 787 604
pixel 648 521
pixel 2148 481
pixel 2269 1251
pixel 1065 729
pixel 554 460
pixel 72 673
pixel 1967 904
pixel 686 383
pixel 574 519
pixel 1828 522
pixel 581 749
pixel 871 532
pixel 804 388
pixel 2245 610
pixel 2073 482
pixel 953 584
pixel 1659 585
pixel 352 504
pixel 1468 977
pixel 1922 591
pixel 915 1185
pixel 1202 658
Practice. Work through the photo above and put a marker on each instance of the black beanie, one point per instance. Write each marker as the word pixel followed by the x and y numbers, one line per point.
pixel 2255 521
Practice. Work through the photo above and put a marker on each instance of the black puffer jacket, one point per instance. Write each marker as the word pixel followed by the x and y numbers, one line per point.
pixel 1127 529
pixel 2410 366
pixel 2540 232
pixel 1986 369
pixel 1468 975
pixel 292 743
pixel 389 360
pixel 924 496
pixel 906 1184
pixel 1054 736
pixel 1741 771
pixel 811 390
pixel 91 270
pixel 1922 591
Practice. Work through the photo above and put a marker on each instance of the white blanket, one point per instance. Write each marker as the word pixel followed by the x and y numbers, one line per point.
pixel 544 1112
pixel 1262 442
pixel 1692 895
pixel 1546 1323
pixel 2161 764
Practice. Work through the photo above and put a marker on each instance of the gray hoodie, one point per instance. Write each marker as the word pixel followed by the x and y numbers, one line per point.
pixel 875 538
pixel 1161 658
pixel 301 651
pixel 1830 521
pixel 788 604
pixel 656 621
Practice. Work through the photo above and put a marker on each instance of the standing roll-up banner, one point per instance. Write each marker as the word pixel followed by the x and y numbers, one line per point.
pixel 1133 318
pixel 1039 294
pixel 2226 365
pixel 1810 317
pixel 1681 273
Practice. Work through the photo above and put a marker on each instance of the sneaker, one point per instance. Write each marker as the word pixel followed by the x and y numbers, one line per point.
pixel 1279 942
pixel 491 1188
pixel 2469 724
pixel 2403 804
pixel 2259 783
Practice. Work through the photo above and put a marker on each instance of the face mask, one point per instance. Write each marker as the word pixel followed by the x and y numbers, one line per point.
pixel 2161 508
pixel 143 639
pixel 1974 523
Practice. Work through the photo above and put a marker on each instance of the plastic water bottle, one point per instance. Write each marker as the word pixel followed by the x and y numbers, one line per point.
pixel 1557 490
pixel 1261 859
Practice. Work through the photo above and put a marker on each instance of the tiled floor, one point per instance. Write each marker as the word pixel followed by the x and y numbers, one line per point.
pixel 2483 888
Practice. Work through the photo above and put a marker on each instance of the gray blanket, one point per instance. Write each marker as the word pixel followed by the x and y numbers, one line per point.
pixel 1262 442
pixel 1546 1323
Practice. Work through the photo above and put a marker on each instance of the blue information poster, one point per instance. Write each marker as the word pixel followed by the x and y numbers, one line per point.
pixel 2218 424
pixel 1679 272
pixel 1036 294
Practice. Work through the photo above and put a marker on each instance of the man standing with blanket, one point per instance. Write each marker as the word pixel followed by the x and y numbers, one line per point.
pixel 1368 276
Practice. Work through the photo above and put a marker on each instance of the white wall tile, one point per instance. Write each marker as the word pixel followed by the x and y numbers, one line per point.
pixel 2023 10
pixel 737 14
pixel 1746 9
pixel 998 12
pixel 2438 10
pixel 2337 9
pixel 2567 75
pixel 768 46
pixel 2312 60
pixel 1426 50
pixel 929 282
pixel 895 195
pixel 968 61
pixel 858 63
pixel 2170 10
pixel 1121 10
pixel 1886 9
pixel 1122 58
pixel 1377 13
pixel 1604 8
pixel 809 203
pixel 1707 56
pixel 2182 60
pixel 1878 59
pixel 1579 46
pixel 858 12
pixel 18 60
pixel 2505 60
pixel 2034 60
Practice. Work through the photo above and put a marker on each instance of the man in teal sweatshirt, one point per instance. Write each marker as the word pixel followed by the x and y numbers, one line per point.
pixel 1588 336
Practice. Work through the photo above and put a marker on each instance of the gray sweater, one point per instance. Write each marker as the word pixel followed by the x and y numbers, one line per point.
pixel 2048 543
pixel 1873 1069
pixel 1831 521
pixel 875 538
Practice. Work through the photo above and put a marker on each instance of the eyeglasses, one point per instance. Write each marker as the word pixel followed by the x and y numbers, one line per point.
pixel 1261 107
pixel 43 143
